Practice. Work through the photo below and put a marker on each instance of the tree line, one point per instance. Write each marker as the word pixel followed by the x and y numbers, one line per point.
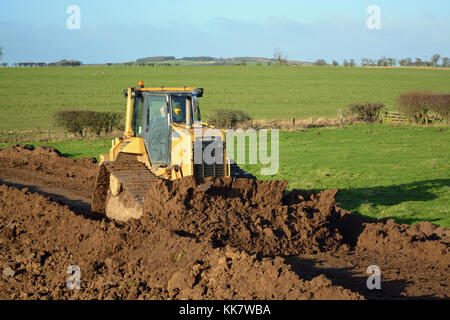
pixel 62 63
pixel 435 61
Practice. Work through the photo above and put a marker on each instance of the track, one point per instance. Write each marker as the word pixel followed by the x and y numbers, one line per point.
pixel 134 178
pixel 76 202
pixel 123 184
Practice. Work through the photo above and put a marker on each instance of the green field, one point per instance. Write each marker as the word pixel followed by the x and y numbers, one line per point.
pixel 29 96
pixel 381 171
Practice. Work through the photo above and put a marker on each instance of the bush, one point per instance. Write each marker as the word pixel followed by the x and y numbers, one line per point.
pixel 224 118
pixel 440 104
pixel 417 105
pixel 106 122
pixel 368 111
pixel 82 122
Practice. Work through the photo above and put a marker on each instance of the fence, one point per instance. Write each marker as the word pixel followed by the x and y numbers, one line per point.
pixel 390 117
pixel 17 136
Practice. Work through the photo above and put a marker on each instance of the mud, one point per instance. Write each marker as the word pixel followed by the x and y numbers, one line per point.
pixel 247 214
pixel 139 260
pixel 204 239
pixel 45 166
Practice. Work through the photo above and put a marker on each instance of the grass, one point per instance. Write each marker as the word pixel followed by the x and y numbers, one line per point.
pixel 381 171
pixel 29 96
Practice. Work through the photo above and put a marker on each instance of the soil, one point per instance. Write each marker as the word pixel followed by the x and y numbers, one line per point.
pixel 201 239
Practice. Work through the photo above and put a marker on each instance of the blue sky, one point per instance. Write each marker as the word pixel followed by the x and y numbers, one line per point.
pixel 118 31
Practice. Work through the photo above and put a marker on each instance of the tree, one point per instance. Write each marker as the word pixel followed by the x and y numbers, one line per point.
pixel 335 63
pixel 445 62
pixel 418 62
pixel 409 62
pixel 404 62
pixel 383 62
pixel 320 62
pixel 279 57
pixel 391 62
pixel 435 59
pixel 1 52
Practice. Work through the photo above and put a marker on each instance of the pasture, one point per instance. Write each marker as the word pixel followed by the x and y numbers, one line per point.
pixel 30 96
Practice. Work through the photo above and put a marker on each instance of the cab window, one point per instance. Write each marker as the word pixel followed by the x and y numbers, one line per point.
pixel 136 123
pixel 178 109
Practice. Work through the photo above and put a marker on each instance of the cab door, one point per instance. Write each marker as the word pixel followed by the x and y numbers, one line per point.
pixel 156 129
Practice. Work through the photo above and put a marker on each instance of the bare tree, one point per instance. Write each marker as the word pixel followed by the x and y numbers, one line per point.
pixel 335 63
pixel 320 62
pixel 418 62
pixel 445 62
pixel 1 52
pixel 279 57
pixel 435 59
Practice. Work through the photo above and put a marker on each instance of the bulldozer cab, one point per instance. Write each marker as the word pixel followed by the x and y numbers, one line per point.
pixel 153 116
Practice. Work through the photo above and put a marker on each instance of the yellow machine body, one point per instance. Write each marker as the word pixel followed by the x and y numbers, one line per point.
pixel 161 141
pixel 181 143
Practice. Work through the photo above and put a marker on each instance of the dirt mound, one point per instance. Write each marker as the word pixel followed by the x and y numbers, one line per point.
pixel 425 242
pixel 247 214
pixel 40 239
pixel 48 165
pixel 259 217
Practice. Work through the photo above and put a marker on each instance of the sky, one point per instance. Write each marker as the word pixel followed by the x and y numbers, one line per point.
pixel 120 31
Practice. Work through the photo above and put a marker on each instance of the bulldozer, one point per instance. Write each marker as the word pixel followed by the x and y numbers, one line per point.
pixel 164 138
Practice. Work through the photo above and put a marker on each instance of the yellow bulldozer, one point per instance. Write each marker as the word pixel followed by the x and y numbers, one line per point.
pixel 164 138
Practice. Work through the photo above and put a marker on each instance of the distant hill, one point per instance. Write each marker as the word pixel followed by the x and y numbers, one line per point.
pixel 155 59
pixel 205 60
pixel 249 59
pixel 198 59
pixel 65 63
